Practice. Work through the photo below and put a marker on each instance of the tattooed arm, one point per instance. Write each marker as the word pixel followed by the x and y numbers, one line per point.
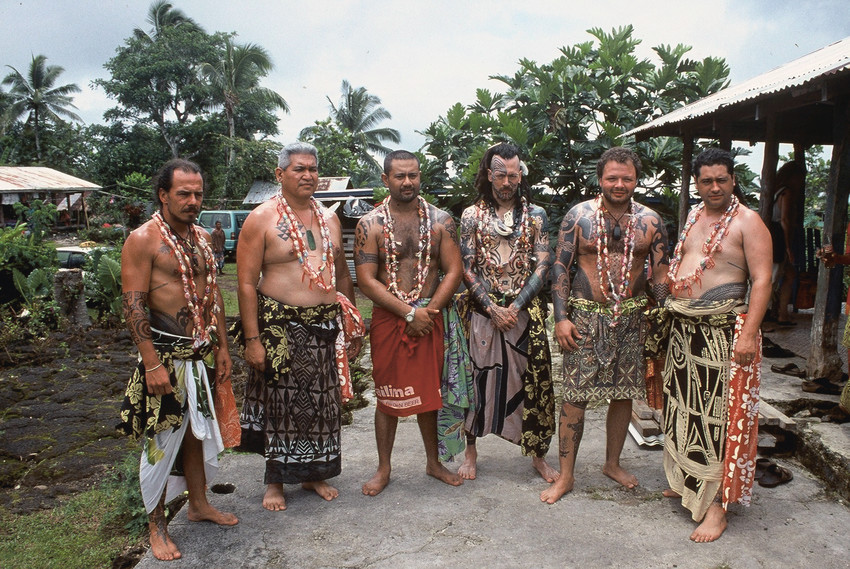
pixel 659 258
pixel 542 260
pixel 450 259
pixel 136 264
pixel 468 247
pixel 565 332
pixel 366 259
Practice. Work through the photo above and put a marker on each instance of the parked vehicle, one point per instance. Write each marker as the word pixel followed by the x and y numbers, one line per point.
pixel 231 222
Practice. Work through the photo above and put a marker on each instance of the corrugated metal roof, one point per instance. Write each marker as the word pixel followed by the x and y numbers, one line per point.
pixel 263 191
pixel 39 179
pixel 830 60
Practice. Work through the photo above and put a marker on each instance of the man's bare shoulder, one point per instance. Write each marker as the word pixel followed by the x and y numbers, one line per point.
pixel 146 235
pixel 440 216
pixel 751 222
pixel 470 211
pixel 374 216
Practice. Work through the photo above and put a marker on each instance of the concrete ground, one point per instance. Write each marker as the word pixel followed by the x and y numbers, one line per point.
pixel 499 521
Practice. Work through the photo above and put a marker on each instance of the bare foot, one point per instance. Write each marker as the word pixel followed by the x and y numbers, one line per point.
pixel 670 493
pixel 321 488
pixel 443 474
pixel 469 468
pixel 273 499
pixel 712 526
pixel 377 483
pixel 617 474
pixel 208 513
pixel 163 548
pixel 548 473
pixel 561 486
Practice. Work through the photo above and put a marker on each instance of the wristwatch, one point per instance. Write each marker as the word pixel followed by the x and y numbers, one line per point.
pixel 410 315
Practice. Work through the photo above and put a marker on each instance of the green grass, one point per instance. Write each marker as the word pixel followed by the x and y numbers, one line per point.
pixel 227 286
pixel 69 537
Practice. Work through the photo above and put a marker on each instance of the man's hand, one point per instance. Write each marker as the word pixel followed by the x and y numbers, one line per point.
pixel 503 318
pixel 255 355
pixel 223 366
pixel 745 350
pixel 423 322
pixel 158 381
pixel 567 335
pixel 354 347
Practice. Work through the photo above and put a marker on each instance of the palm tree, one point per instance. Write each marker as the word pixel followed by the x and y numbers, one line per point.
pixel 237 75
pixel 162 14
pixel 36 97
pixel 359 112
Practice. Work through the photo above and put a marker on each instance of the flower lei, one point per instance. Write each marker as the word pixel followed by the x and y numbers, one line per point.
pixel 483 217
pixel 423 255
pixel 603 260
pixel 196 306
pixel 314 274
pixel 711 245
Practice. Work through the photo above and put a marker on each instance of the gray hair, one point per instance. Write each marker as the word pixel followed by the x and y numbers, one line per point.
pixel 284 158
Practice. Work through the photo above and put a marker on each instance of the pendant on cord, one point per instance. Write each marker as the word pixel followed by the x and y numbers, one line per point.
pixel 616 233
pixel 311 241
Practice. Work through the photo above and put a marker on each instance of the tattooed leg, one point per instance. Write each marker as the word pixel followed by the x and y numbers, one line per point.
pixel 163 548
pixel 570 431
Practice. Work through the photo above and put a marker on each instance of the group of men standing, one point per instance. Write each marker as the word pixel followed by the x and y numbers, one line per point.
pixel 466 365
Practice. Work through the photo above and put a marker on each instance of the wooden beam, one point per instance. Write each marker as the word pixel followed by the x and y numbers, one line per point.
pixel 823 358
pixel 685 190
pixel 768 169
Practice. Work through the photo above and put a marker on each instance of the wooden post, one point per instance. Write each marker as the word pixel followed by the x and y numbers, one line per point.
pixel 685 191
pixel 768 169
pixel 823 358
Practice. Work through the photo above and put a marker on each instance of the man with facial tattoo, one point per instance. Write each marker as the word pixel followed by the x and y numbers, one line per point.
pixel 505 251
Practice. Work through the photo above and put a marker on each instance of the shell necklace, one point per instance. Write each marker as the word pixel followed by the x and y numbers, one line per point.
pixel 520 256
pixel 603 260
pixel 196 306
pixel 316 275
pixel 709 247
pixel 423 254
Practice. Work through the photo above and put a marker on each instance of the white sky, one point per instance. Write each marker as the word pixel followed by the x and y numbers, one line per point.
pixel 419 57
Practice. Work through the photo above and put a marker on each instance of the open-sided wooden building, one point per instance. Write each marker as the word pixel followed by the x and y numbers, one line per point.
pixel 804 103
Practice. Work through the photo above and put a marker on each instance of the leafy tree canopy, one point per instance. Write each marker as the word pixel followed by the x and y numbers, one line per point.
pixel 565 113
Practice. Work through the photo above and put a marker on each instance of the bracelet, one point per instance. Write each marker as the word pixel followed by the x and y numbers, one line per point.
pixel 159 365
pixel 252 338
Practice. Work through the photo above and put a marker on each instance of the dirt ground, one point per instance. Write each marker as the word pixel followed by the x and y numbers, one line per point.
pixel 60 403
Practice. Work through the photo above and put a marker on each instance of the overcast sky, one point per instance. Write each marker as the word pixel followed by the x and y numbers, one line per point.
pixel 419 57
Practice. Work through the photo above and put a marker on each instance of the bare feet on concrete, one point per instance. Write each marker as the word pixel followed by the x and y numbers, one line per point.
pixel 561 486
pixel 377 483
pixel 321 488
pixel 161 545
pixel 620 475
pixel 712 526
pixel 548 473
pixel 670 493
pixel 208 513
pixel 443 474
pixel 273 499
pixel 469 468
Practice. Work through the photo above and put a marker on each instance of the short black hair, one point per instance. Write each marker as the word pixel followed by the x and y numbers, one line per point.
pixel 397 155
pixel 165 177
pixel 712 157
pixel 619 154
